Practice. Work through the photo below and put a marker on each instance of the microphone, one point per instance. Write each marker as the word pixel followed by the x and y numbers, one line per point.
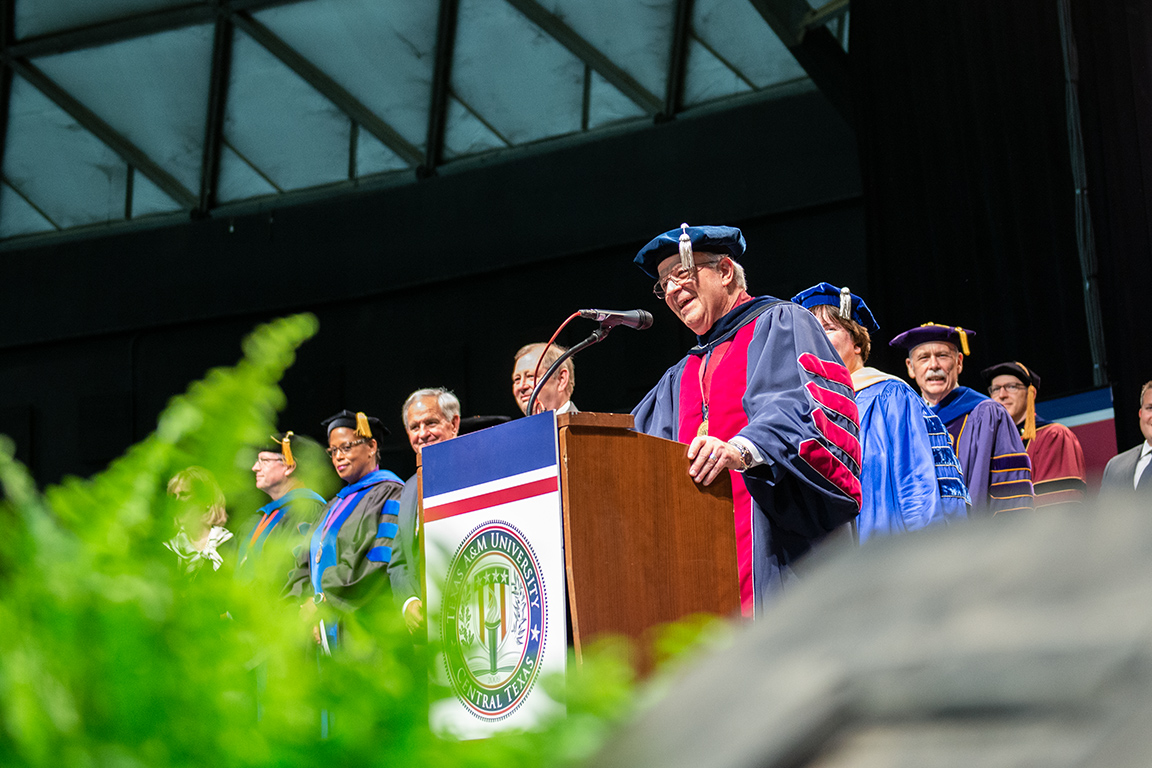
pixel 608 318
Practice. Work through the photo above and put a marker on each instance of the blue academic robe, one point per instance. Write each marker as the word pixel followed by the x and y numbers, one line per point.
pixel 777 382
pixel 911 477
pixel 996 467
pixel 350 546
pixel 292 513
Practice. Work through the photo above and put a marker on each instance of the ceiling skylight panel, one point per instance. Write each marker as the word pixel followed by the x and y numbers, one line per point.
pixel 636 36
pixel 381 51
pixel 38 17
pixel 151 90
pixel 372 156
pixel 708 78
pixel 18 216
pixel 607 105
pixel 280 124
pixel 735 32
pixel 149 199
pixel 513 76
pixel 238 180
pixel 61 168
pixel 466 135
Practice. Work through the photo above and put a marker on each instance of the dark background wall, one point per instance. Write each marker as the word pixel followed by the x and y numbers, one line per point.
pixel 433 283
pixel 962 123
pixel 1114 42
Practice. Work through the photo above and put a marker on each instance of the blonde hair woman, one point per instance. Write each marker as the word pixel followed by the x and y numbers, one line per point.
pixel 200 522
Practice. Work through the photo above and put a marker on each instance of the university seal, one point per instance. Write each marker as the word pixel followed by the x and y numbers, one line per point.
pixel 493 620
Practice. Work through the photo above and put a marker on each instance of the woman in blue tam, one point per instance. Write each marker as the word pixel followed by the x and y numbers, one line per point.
pixel 346 562
pixel 910 475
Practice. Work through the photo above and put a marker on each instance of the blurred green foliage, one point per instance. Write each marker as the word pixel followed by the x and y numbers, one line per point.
pixel 109 656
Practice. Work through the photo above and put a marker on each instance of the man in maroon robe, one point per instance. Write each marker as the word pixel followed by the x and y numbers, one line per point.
pixel 1058 475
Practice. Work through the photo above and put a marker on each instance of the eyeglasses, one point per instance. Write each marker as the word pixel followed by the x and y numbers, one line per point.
pixel 266 461
pixel 346 448
pixel 1009 387
pixel 680 275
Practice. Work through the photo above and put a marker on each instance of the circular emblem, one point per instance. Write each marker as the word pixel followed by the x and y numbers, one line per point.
pixel 493 620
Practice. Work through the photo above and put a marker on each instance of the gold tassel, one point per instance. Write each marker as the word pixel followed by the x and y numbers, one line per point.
pixel 1029 432
pixel 686 260
pixel 362 428
pixel 963 341
pixel 286 449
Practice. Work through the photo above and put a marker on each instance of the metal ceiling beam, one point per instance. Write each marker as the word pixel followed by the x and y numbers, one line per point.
pixel 329 88
pixel 118 30
pixel 818 17
pixel 130 153
pixel 585 51
pixel 32 205
pixel 815 48
pixel 214 123
pixel 674 93
pixel 441 86
pixel 785 17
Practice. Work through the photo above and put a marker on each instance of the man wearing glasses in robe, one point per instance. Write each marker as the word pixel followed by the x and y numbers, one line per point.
pixel 293 507
pixel 763 395
pixel 1058 475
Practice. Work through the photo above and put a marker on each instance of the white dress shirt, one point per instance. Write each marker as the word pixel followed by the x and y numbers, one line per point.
pixel 1142 463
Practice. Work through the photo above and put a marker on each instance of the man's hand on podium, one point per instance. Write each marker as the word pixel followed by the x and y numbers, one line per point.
pixel 710 456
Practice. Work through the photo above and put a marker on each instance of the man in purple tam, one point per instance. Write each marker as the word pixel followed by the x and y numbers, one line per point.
pixel 996 467
pixel 763 396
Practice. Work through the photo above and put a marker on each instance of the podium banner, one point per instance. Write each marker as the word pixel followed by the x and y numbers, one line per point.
pixel 494 547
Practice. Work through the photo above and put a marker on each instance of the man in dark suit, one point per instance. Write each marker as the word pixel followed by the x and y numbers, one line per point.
pixel 1130 471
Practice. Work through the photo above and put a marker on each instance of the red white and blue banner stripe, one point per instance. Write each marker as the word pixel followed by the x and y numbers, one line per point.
pixel 1091 417
pixel 492 493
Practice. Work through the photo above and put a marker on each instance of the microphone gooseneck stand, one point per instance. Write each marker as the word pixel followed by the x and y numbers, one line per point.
pixel 597 335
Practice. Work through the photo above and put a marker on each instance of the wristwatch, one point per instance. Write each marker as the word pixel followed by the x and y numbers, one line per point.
pixel 745 456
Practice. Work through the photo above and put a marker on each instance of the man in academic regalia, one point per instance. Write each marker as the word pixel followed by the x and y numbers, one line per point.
pixel 1058 475
pixel 430 416
pixel 293 507
pixel 764 396
pixel 996 467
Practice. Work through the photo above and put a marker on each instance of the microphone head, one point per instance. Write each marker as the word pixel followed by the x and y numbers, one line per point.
pixel 610 318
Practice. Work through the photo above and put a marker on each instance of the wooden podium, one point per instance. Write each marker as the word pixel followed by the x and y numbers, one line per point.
pixel 644 544
pixel 550 520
